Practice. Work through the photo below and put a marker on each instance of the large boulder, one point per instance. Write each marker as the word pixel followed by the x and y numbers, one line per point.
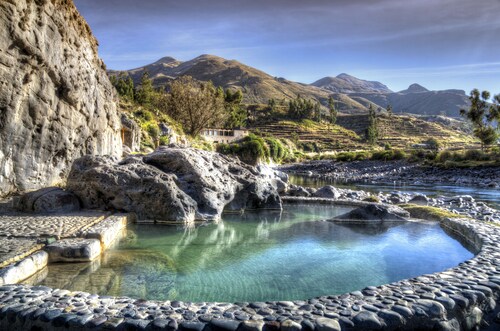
pixel 47 201
pixel 172 184
pixel 56 101
pixel 328 191
pixel 375 212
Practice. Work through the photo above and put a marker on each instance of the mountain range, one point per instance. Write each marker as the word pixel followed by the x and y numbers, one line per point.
pixel 351 94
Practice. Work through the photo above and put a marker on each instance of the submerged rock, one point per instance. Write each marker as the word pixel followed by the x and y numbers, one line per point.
pixel 375 212
pixel 172 184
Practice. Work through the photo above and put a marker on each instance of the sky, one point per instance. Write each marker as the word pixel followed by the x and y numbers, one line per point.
pixel 440 44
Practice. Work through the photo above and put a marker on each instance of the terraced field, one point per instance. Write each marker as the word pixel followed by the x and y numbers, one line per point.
pixel 349 132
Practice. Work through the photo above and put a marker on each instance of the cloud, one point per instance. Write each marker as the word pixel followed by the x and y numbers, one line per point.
pixel 285 35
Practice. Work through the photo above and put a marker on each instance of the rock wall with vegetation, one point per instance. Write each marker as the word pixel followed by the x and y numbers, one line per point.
pixel 56 101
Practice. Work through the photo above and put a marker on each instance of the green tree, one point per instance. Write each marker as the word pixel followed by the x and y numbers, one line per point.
pixel 372 130
pixel 389 110
pixel 145 93
pixel 236 114
pixel 124 86
pixel 300 108
pixel 195 105
pixel 333 110
pixel 317 112
pixel 484 117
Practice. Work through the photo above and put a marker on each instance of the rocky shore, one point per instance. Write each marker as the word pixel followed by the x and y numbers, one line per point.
pixel 395 171
pixel 460 205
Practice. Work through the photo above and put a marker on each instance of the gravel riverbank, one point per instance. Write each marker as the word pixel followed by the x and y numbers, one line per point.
pixel 395 171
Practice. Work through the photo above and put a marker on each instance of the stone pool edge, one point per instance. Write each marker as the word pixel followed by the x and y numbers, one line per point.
pixel 457 298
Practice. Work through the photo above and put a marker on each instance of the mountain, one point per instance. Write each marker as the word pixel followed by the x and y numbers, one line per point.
pixel 352 95
pixel 419 100
pixel 257 86
pixel 346 84
pixel 414 88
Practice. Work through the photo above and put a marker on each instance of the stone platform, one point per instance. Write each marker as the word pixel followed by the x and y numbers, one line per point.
pixel 53 226
pixel 24 236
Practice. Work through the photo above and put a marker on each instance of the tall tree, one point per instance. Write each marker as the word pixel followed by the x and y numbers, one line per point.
pixel 372 130
pixel 145 93
pixel 236 114
pixel 195 105
pixel 485 118
pixel 317 112
pixel 333 110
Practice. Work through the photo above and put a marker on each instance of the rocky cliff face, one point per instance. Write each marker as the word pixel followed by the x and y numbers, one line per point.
pixel 56 102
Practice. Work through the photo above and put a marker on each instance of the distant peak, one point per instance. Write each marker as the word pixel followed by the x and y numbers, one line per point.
pixel 209 57
pixel 344 75
pixel 166 59
pixel 416 88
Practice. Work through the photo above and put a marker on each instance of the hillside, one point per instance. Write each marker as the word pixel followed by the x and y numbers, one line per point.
pixel 257 86
pixel 418 100
pixel 349 133
pixel 352 95
pixel 346 84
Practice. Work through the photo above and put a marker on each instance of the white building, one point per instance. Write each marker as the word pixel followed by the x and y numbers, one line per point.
pixel 222 136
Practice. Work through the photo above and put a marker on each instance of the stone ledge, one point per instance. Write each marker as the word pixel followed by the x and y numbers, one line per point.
pixel 15 249
pixel 108 231
pixel 74 250
pixel 457 298
pixel 23 269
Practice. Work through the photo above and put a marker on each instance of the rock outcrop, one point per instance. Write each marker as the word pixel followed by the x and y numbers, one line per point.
pixel 172 184
pixel 50 200
pixel 56 102
pixel 375 212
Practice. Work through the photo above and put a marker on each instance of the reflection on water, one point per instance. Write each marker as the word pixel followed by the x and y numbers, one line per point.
pixel 262 256
pixel 491 196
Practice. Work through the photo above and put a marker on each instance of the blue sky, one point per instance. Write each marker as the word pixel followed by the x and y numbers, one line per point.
pixel 439 44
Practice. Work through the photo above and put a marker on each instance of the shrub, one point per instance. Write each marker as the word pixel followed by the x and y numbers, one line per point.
pixel 164 141
pixel 276 149
pixel 361 156
pixel 432 143
pixel 346 156
pixel 475 155
pixel 372 198
pixel 444 156
pixel 389 155
pixel 144 115
pixel 153 130
pixel 398 154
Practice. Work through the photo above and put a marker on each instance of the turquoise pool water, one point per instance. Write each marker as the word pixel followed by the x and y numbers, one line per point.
pixel 262 256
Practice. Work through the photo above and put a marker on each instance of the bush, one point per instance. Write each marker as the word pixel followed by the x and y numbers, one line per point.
pixel 433 143
pixel 398 154
pixel 389 155
pixel 475 155
pixel 372 198
pixel 144 115
pixel 153 130
pixel 346 156
pixel 444 156
pixel 276 149
pixel 164 141
pixel 361 156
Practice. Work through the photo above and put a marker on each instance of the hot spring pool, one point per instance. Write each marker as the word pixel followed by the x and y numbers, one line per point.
pixel 262 256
